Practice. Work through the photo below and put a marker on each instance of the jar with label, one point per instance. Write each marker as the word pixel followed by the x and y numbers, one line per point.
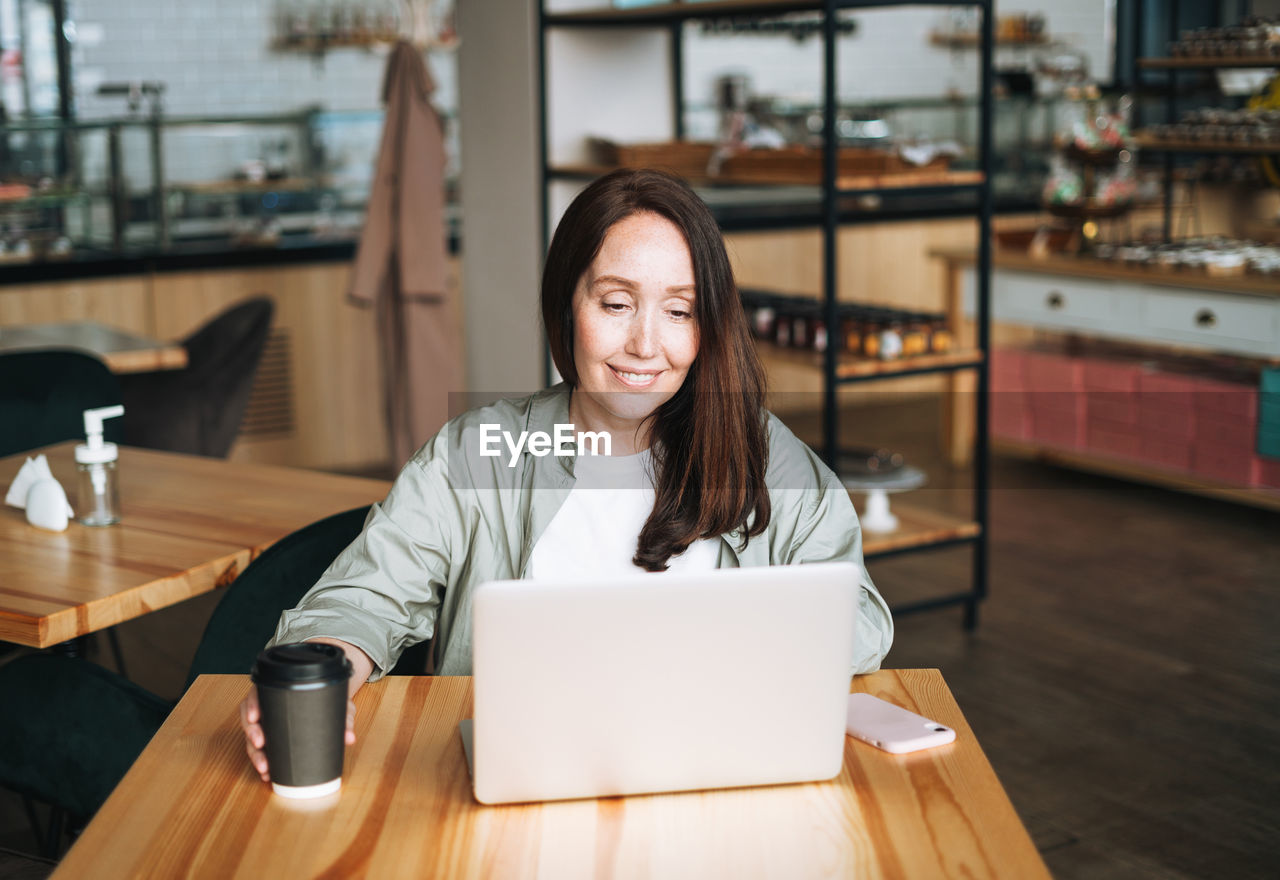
pixel 817 328
pixel 891 338
pixel 762 318
pixel 850 330
pixel 802 325
pixel 783 310
pixel 939 334
pixel 915 334
pixel 872 326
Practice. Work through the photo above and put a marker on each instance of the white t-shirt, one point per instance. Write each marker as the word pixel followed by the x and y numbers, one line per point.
pixel 595 531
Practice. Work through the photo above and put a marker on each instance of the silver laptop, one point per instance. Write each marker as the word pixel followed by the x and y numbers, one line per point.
pixel 660 682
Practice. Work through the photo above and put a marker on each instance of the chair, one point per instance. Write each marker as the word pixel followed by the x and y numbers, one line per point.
pixel 198 410
pixel 43 396
pixel 71 728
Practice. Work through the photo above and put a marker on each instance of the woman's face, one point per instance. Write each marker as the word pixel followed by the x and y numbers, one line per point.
pixel 634 331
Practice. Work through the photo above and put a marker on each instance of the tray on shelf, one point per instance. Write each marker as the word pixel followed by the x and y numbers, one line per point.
pixel 858 167
pixel 687 158
pixel 803 165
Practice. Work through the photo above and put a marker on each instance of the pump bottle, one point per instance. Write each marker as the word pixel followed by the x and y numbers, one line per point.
pixel 98 491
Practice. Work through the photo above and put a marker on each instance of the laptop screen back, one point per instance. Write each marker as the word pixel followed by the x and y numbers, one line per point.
pixel 661 682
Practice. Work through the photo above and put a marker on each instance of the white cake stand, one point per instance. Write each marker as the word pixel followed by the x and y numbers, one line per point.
pixel 877 517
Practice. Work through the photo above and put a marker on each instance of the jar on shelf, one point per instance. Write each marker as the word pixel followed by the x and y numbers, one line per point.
pixel 915 334
pixel 784 309
pixel 874 323
pixel 940 338
pixel 851 330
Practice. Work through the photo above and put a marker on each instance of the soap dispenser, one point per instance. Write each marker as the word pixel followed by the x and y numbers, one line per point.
pixel 99 494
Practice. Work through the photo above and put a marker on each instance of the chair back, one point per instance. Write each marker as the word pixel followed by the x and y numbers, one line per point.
pixel 198 409
pixel 43 396
pixel 247 615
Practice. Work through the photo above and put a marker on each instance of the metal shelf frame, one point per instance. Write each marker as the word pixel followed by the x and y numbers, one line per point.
pixel 672 17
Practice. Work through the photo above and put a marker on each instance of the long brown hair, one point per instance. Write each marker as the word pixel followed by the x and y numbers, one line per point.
pixel 709 442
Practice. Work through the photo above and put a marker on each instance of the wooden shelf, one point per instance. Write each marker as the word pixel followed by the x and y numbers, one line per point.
pixel 1209 62
pixel 849 368
pixel 678 11
pixel 1147 142
pixel 974 41
pixel 1136 471
pixel 917 527
pixel 231 187
pixel 1088 267
pixel 887 180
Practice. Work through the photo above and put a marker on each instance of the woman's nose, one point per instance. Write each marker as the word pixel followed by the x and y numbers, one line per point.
pixel 641 342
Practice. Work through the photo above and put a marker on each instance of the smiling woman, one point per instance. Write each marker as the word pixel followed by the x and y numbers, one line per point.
pixel 645 325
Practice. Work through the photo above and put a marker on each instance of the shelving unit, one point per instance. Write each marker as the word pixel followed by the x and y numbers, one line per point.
pixel 1172 67
pixel 655 111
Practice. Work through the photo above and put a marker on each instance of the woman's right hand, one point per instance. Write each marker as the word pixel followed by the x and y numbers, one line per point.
pixel 251 714
pixel 255 740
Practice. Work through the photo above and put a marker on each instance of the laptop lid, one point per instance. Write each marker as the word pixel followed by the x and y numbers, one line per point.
pixel 661 682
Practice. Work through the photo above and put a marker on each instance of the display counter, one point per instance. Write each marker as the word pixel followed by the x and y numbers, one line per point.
pixel 1140 372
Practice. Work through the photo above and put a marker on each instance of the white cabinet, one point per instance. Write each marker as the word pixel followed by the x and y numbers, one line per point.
pixel 1218 320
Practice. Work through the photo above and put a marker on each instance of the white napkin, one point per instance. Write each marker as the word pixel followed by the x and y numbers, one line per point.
pixel 35 490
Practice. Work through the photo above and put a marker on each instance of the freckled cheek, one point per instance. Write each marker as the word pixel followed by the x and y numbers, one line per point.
pixel 684 348
pixel 594 341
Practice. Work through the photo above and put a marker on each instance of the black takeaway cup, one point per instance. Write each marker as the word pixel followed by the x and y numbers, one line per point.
pixel 302 692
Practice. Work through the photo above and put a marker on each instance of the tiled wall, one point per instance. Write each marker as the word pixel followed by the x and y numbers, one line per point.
pixel 889 56
pixel 215 58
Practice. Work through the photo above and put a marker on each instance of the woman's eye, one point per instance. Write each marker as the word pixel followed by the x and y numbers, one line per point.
pixel 680 315
pixel 614 307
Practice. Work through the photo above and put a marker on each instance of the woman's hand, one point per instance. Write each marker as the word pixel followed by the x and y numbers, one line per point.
pixel 251 714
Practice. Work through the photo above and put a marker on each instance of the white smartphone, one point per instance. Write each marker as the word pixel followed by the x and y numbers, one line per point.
pixel 891 727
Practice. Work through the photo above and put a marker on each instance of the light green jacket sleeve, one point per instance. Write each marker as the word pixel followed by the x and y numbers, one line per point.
pixel 814 521
pixel 383 592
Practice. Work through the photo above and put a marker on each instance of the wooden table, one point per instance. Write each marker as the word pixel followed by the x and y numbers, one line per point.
pixel 121 351
pixel 192 807
pixel 189 524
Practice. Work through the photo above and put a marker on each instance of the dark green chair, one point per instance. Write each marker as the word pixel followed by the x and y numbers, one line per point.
pixel 71 729
pixel 43 396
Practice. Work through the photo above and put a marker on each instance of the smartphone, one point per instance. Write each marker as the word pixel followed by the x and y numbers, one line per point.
pixel 891 727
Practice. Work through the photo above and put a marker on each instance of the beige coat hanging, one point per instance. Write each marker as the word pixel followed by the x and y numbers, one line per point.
pixel 400 265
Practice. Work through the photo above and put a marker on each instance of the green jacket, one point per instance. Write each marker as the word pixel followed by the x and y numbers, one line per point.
pixel 454 519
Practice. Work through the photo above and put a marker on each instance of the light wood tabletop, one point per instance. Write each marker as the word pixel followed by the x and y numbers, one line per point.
pixel 192 807
pixel 188 525
pixel 122 352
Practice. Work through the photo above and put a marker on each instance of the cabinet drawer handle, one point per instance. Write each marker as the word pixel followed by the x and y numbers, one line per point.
pixel 1055 299
pixel 1206 318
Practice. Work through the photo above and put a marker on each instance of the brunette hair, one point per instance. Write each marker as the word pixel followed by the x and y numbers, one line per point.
pixel 708 442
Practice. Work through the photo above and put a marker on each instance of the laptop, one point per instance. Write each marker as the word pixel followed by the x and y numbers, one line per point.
pixel 660 682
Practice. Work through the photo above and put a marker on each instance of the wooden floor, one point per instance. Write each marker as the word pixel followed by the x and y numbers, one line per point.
pixel 1124 680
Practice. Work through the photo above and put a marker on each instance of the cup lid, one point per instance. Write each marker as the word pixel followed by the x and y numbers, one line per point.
pixel 301 661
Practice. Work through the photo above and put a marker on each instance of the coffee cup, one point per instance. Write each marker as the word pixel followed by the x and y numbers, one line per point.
pixel 302 695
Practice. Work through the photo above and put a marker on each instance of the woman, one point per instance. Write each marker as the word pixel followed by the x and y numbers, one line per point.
pixel 645 325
